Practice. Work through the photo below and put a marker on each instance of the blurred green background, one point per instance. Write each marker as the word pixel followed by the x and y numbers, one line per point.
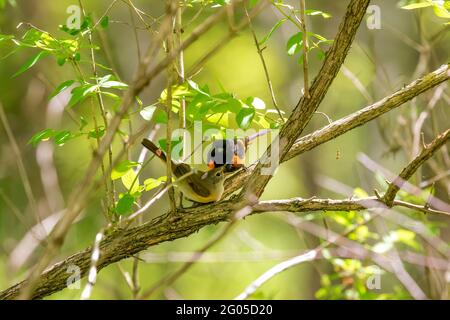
pixel 381 59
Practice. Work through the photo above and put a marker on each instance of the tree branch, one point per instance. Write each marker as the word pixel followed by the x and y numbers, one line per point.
pixel 306 107
pixel 412 167
pixel 81 194
pixel 354 120
pixel 123 244
pixel 189 221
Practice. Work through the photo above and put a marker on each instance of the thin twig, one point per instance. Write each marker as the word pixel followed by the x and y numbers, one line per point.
pixel 412 167
pixel 263 62
pixel 81 193
pixel 20 165
pixel 305 48
pixel 170 279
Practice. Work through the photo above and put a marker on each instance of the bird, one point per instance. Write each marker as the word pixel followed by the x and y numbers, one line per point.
pixel 230 153
pixel 197 186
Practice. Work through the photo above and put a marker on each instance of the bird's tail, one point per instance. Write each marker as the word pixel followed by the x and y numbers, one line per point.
pixel 154 149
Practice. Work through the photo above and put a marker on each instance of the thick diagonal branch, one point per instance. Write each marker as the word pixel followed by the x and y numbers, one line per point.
pixel 356 119
pixel 306 107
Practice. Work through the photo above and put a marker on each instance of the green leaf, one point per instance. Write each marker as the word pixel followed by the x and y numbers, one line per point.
pixel 161 117
pixel 163 143
pixel 97 133
pixel 104 22
pixel 125 204
pixel 63 86
pixel 256 103
pixel 122 168
pixel 441 12
pixel 262 121
pixel 151 183
pixel 312 12
pixel 43 135
pixel 234 105
pixel 417 5
pixel 31 62
pixel 114 85
pixel 274 28
pixel 62 137
pixel 148 112
pixel 130 181
pixel 245 117
pixel 61 61
pixel 80 93
pixel 294 44
pixel 196 87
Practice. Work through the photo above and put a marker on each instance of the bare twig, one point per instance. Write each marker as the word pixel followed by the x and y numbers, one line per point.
pixel 81 194
pixel 305 48
pixel 412 167
pixel 169 280
pixel 20 165
pixel 266 71
pixel 306 107
pixel 167 228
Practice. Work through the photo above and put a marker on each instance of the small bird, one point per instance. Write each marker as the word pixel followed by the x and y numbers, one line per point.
pixel 230 153
pixel 199 186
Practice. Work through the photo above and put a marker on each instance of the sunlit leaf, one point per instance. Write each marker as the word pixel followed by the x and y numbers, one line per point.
pixel 42 136
pixel 417 5
pixel 245 117
pixel 122 169
pixel 256 103
pixel 31 62
pixel 62 137
pixel 274 28
pixel 312 12
pixel 114 85
pixel 63 86
pixel 130 181
pixel 152 183
pixel 148 112
pixel 294 44
pixel 80 93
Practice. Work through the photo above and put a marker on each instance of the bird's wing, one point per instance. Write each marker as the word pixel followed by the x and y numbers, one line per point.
pixel 196 183
pixel 195 180
pixel 181 169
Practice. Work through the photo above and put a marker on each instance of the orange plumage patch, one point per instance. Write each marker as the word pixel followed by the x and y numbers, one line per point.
pixel 237 160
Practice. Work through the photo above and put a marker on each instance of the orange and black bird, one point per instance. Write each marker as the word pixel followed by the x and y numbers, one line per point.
pixel 230 153
pixel 198 186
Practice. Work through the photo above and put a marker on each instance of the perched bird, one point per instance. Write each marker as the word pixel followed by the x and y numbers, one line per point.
pixel 230 153
pixel 198 186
